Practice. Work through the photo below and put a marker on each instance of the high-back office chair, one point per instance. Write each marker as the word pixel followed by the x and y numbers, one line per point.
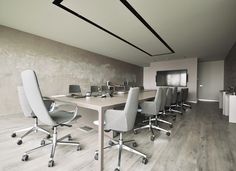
pixel 104 89
pixel 141 88
pixel 163 101
pixel 123 121
pixel 27 111
pixel 53 119
pixel 184 92
pixel 169 94
pixel 174 103
pixel 150 109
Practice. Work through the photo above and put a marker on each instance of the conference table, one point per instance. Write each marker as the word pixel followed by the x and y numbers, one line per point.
pixel 101 105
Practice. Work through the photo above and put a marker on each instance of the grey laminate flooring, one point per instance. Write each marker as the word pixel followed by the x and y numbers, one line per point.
pixel 201 140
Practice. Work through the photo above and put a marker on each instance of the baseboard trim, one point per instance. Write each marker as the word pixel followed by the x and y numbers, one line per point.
pixel 192 101
pixel 208 100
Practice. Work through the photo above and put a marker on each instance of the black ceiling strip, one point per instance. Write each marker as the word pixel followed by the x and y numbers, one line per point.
pixel 168 53
pixel 58 3
pixel 125 2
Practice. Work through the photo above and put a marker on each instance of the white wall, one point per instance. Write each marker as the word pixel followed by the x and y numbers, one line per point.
pixel 190 64
pixel 211 80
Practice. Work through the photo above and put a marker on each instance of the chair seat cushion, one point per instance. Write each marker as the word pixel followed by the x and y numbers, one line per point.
pixel 61 116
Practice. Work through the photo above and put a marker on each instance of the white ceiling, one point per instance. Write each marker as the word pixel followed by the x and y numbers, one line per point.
pixel 192 28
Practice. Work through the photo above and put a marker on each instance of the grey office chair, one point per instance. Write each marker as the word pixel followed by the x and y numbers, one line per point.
pixel 184 92
pixel 54 119
pixel 152 108
pixel 174 103
pixel 163 101
pixel 104 89
pixel 123 121
pixel 27 111
pixel 168 109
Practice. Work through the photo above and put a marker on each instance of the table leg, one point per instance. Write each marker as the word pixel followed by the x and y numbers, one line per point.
pixel 100 138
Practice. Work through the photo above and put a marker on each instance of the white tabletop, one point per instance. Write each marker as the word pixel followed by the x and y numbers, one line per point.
pixel 107 102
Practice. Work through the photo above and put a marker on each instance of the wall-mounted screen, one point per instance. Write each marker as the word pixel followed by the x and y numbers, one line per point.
pixel 177 78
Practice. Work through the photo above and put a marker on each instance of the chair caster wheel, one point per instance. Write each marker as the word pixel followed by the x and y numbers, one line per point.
pixel 51 163
pixel 42 142
pixel 152 138
pixel 171 126
pixel 69 138
pixel 144 160
pixel 79 148
pixel 19 142
pixel 135 132
pixel 13 135
pixel 48 136
pixel 25 157
pixel 111 143
pixel 96 156
pixel 134 144
pixel 116 169
pixel 168 133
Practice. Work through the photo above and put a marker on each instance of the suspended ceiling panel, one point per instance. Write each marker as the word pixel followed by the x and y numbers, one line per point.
pixel 116 18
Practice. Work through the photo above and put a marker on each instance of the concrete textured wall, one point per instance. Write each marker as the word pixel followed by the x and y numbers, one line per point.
pixel 57 65
pixel 230 68
pixel 210 80
pixel 149 74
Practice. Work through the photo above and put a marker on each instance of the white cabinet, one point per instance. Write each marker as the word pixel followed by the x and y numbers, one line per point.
pixel 225 104
pixel 232 108
pixel 221 99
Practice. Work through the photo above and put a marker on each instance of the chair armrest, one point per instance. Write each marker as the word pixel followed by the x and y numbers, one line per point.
pixel 115 120
pixel 59 105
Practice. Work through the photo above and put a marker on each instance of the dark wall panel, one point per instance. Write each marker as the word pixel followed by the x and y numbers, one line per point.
pixel 230 68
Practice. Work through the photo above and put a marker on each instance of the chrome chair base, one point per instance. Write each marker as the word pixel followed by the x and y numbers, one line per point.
pixel 120 144
pixel 187 105
pixel 29 130
pixel 156 119
pixel 150 126
pixel 54 142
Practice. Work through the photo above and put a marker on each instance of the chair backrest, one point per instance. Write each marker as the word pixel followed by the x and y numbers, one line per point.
pixel 25 107
pixel 131 107
pixel 184 94
pixel 163 100
pixel 158 99
pixel 141 88
pixel 169 96
pixel 34 97
pixel 94 89
pixel 174 95
pixel 104 89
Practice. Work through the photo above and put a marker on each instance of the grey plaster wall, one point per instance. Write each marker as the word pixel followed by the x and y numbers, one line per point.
pixel 57 65
pixel 230 68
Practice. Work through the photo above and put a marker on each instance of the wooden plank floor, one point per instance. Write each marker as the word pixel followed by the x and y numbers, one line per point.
pixel 201 140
